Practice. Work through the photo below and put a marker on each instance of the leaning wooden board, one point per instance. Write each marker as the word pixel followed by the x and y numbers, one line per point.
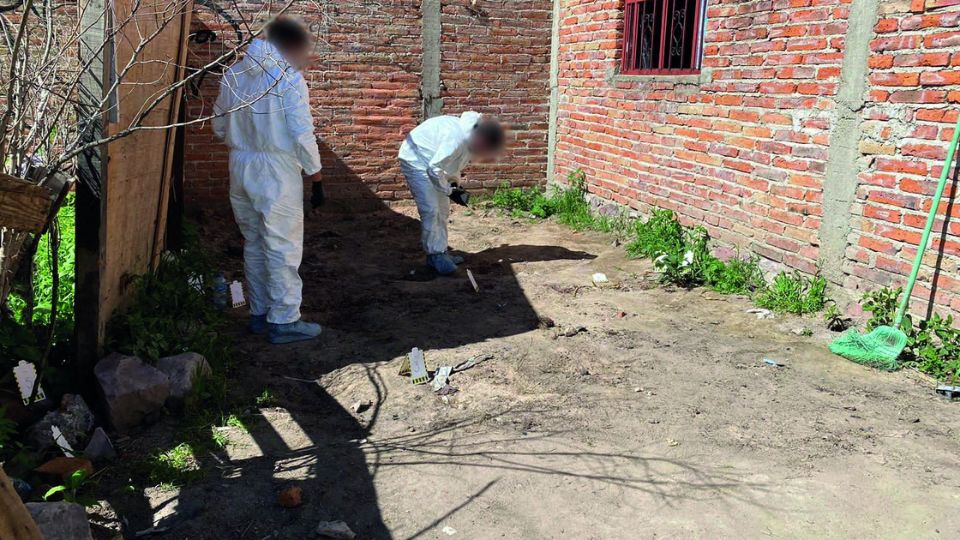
pixel 15 520
pixel 134 185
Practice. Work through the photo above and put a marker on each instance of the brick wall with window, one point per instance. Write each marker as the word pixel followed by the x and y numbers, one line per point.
pixel 365 88
pixel 742 146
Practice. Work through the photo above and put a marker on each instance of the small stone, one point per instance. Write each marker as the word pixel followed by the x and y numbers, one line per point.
pixel 638 389
pixel 73 418
pixel 621 314
pixel 183 370
pixel 61 520
pixel 447 390
pixel 134 391
pixel 544 322
pixel 335 529
pixel 573 331
pixel 449 531
pixel 100 448
pixel 290 497
pixel 62 467
pixel 361 406
pixel 23 489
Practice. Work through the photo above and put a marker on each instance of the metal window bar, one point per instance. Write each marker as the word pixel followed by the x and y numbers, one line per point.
pixel 662 36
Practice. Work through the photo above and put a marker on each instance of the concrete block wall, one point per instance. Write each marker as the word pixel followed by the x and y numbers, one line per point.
pixel 379 67
pixel 812 136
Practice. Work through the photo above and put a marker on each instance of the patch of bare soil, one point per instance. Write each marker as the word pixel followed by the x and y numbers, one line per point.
pixel 660 419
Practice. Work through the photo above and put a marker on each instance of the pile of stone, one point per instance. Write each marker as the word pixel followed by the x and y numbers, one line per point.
pixel 134 394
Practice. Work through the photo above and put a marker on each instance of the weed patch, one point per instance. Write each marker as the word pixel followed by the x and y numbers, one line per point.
pixel 681 254
pixel 173 310
pixel 683 257
pixel 933 345
pixel 794 293
pixel 175 467
pixel 568 205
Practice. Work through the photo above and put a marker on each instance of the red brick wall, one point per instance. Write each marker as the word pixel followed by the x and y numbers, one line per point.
pixel 912 110
pixel 745 150
pixel 365 88
pixel 495 58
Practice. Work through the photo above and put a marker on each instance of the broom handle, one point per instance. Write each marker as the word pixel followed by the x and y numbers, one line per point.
pixel 944 176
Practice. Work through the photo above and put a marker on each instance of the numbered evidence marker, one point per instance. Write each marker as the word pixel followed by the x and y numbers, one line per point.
pixel 236 294
pixel 473 281
pixel 61 441
pixel 26 375
pixel 418 367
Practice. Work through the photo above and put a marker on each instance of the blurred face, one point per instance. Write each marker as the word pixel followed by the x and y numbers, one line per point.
pixel 299 57
pixel 481 151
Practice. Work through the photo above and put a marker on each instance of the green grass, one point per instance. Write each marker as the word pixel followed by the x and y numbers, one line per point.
pixel 175 467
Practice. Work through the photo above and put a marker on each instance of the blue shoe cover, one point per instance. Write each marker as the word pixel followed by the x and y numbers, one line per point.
pixel 442 263
pixel 293 332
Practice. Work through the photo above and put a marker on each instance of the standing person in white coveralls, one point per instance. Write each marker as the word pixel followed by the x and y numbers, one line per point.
pixel 432 158
pixel 263 114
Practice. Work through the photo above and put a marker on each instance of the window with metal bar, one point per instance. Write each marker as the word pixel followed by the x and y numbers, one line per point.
pixel 662 37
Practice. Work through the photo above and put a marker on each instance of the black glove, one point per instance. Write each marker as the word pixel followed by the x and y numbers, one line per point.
pixel 317 198
pixel 460 196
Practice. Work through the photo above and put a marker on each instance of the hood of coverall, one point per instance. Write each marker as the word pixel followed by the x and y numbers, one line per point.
pixel 469 120
pixel 263 56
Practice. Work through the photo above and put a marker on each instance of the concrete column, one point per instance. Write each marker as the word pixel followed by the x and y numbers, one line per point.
pixel 430 84
pixel 554 92
pixel 841 176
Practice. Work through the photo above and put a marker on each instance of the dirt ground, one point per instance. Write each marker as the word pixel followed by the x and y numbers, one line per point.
pixel 658 419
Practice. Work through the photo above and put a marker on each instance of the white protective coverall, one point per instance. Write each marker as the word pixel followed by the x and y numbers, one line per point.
pixel 431 157
pixel 263 114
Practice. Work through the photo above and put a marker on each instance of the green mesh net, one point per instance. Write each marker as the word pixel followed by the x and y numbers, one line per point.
pixel 879 349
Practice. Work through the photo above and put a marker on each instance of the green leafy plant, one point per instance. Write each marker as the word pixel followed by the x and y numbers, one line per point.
pixel 266 398
pixel 834 318
pixel 683 257
pixel 172 311
pixel 794 293
pixel 882 305
pixel 933 345
pixel 74 490
pixel 736 276
pixel 661 233
pixel 685 266
pixel 568 205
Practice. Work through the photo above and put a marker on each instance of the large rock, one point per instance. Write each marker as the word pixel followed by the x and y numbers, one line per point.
pixel 100 448
pixel 183 371
pixel 61 520
pixel 134 391
pixel 73 418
